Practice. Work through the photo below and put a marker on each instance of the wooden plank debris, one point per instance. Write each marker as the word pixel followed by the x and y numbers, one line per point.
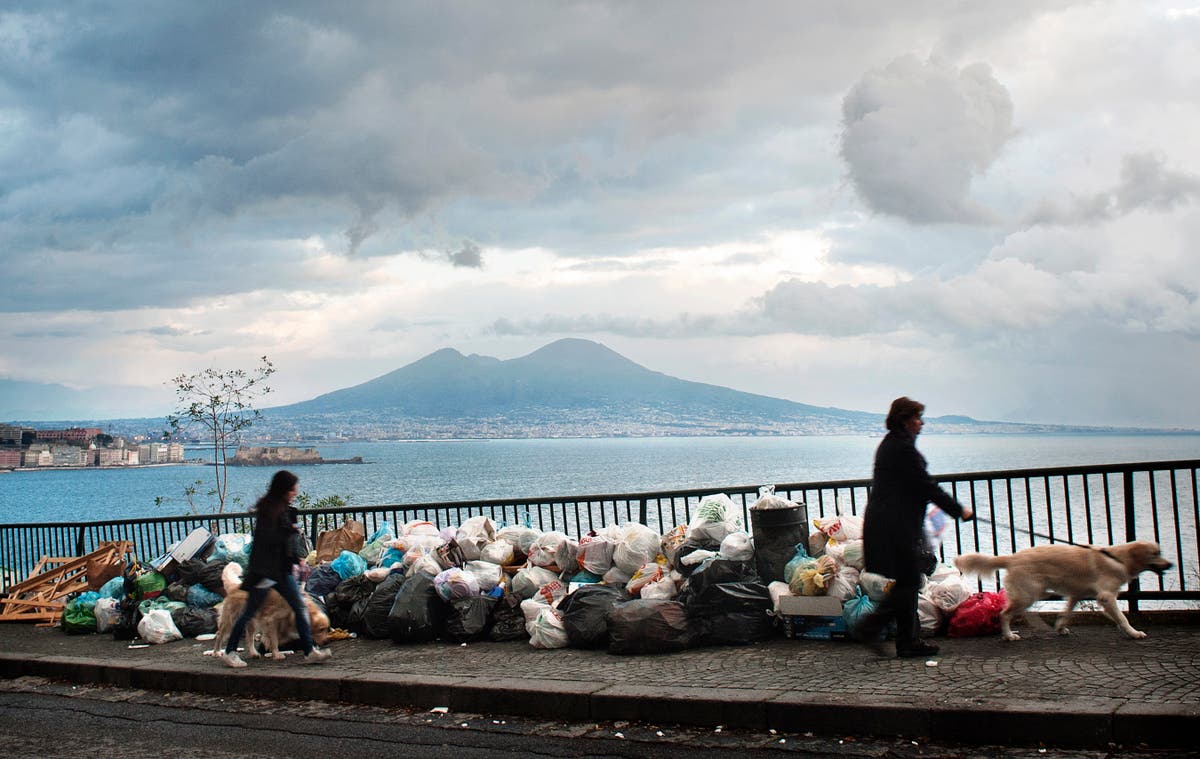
pixel 42 596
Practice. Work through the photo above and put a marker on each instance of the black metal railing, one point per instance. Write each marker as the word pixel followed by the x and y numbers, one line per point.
pixel 1101 505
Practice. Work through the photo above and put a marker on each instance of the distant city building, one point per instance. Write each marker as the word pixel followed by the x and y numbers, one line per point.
pixel 69 455
pixel 12 435
pixel 10 458
pixel 76 435
pixel 175 453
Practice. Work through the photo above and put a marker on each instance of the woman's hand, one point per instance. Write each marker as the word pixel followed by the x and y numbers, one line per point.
pixel 968 513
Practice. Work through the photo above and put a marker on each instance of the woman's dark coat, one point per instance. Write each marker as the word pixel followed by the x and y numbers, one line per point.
pixel 893 528
pixel 269 556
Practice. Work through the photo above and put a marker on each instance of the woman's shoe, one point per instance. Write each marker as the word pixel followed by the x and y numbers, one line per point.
pixel 919 649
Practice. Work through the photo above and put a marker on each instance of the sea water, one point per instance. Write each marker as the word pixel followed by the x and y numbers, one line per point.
pixel 430 471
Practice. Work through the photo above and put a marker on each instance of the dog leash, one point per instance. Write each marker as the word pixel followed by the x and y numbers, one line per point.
pixel 1051 538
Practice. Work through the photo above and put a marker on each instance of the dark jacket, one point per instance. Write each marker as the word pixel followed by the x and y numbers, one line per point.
pixel 269 556
pixel 893 527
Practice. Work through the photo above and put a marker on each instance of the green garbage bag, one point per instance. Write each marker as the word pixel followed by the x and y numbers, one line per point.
pixel 79 616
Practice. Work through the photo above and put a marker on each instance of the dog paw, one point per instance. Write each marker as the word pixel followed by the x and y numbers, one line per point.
pixel 278 656
pixel 1135 634
pixel 1063 631
pixel 1012 636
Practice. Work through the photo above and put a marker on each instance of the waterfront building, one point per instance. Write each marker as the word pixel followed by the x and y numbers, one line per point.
pixel 36 456
pixel 68 455
pixel 10 458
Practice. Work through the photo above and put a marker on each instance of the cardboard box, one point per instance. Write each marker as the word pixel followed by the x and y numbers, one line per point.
pixel 197 545
pixel 810 606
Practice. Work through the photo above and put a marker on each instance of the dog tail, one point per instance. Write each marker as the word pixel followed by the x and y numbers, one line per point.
pixel 231 577
pixel 978 563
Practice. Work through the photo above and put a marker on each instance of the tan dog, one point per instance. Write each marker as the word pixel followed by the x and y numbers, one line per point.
pixel 1074 572
pixel 273 623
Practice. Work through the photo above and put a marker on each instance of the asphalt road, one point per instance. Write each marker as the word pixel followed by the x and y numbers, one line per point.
pixel 40 718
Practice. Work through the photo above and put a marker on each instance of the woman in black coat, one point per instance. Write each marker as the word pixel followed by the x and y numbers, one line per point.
pixel 894 543
pixel 270 568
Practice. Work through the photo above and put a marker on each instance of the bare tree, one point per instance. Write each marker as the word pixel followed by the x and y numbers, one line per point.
pixel 221 402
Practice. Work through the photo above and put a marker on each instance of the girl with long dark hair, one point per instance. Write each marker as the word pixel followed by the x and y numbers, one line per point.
pixel 270 568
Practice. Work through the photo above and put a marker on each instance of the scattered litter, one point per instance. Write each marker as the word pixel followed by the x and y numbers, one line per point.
pixel 139 645
pixel 464 645
pixel 439 710
pixel 931 663
pixel 1041 750
pixel 783 740
pixel 620 735
pixel 206 652
pixel 463 724
pixel 718 729
pixel 659 733
pixel 773 732
pixel 206 636
pixel 495 722
pixel 914 743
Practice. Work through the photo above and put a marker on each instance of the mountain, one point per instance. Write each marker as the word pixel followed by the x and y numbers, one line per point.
pixel 571 386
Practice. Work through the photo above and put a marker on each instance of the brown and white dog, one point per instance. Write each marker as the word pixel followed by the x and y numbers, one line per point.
pixel 274 622
pixel 1074 572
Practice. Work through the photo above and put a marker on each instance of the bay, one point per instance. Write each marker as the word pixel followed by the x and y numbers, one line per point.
pixel 464 470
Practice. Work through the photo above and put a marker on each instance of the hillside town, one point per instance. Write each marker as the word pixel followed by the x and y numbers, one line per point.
pixel 79 447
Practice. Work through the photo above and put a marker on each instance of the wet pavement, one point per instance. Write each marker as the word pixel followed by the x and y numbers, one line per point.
pixel 1092 689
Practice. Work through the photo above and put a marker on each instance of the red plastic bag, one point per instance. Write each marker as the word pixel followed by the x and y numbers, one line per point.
pixel 978 615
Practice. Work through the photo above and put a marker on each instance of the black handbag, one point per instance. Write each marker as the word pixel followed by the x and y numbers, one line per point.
pixel 298 547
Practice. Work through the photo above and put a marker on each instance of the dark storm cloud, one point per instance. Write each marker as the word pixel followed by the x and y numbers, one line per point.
pixel 592 128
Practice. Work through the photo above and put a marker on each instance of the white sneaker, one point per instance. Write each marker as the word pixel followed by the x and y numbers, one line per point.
pixel 317 656
pixel 232 659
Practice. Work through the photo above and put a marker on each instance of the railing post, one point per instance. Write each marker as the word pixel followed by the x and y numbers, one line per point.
pixel 79 542
pixel 641 511
pixel 1127 487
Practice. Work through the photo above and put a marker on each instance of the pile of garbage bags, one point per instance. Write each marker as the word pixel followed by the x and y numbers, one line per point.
pixel 623 588
pixel 832 565
pixel 145 603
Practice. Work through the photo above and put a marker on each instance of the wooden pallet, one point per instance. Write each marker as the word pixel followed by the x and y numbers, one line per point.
pixel 42 596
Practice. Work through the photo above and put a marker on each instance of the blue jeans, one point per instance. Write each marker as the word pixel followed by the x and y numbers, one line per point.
pixel 291 593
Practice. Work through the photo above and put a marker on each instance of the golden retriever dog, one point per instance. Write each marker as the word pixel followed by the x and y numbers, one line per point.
pixel 1074 572
pixel 274 622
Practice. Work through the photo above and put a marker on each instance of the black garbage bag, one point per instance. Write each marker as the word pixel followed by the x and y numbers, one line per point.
pixel 210 577
pixel 322 580
pixel 715 570
pixel 126 626
pixel 340 601
pixel 177 591
pixel 195 620
pixel 419 613
pixel 735 628
pixel 469 619
pixel 508 621
pixel 585 614
pixel 648 626
pixel 676 554
pixel 188 572
pixel 725 598
pixel 376 608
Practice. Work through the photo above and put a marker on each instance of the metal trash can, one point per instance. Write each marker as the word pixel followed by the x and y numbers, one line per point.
pixel 776 533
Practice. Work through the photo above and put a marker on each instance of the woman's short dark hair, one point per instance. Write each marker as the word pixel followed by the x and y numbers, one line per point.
pixel 903 409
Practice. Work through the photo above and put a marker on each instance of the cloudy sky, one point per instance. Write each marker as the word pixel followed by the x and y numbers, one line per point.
pixel 992 207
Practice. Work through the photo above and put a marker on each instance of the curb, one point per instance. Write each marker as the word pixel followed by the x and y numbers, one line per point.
pixel 1075 724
